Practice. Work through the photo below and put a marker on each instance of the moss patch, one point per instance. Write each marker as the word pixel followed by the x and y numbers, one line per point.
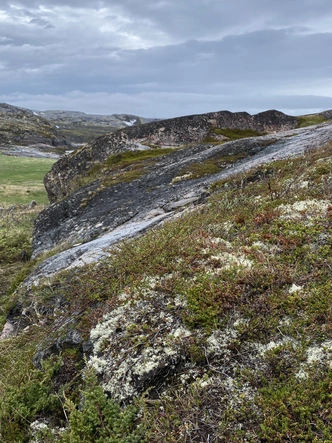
pixel 236 134
pixel 208 167
pixel 309 120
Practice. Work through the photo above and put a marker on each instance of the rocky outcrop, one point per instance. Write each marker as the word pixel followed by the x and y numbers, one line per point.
pixel 170 183
pixel 22 127
pixel 173 132
pixel 327 115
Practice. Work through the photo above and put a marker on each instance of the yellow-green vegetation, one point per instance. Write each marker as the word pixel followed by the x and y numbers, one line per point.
pixel 310 119
pixel 120 168
pixel 16 226
pixel 30 395
pixel 236 134
pixel 26 393
pixel 21 179
pixel 253 269
pixel 127 159
pixel 210 166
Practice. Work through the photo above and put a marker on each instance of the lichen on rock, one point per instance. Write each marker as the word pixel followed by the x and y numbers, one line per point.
pixel 139 345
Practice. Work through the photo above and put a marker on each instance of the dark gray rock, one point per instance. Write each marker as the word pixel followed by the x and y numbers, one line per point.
pixel 71 339
pixel 326 114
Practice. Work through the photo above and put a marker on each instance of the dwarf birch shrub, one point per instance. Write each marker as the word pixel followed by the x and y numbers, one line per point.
pixel 99 419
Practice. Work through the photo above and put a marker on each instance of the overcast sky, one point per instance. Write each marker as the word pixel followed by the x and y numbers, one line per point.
pixel 166 58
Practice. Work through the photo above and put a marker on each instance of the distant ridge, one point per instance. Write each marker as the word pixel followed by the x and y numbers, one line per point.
pixel 79 127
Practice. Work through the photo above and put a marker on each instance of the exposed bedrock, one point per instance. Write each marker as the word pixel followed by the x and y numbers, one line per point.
pixel 94 209
pixel 172 132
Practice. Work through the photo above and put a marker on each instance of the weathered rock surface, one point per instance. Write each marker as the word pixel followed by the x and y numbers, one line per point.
pixel 172 132
pixel 94 210
pixel 35 151
pixel 92 251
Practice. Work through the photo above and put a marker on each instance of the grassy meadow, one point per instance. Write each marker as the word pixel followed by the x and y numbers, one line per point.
pixel 21 179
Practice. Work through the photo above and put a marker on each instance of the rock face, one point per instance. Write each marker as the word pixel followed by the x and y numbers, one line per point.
pixel 22 127
pixel 172 132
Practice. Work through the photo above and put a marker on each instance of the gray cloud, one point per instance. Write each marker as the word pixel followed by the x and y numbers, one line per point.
pixel 247 54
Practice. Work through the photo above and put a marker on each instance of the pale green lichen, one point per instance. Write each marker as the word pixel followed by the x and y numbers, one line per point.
pixel 137 341
pixel 295 288
pixel 311 208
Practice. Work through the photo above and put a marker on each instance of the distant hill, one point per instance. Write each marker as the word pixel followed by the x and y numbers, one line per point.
pixel 26 132
pixel 22 127
pixel 79 127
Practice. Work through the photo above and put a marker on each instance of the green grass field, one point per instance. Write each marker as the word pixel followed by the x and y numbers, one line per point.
pixel 21 179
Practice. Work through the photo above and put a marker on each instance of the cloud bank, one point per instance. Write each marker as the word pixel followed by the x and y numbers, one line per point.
pixel 166 58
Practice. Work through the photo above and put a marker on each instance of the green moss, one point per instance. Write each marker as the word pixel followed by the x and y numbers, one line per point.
pixel 236 134
pixel 209 166
pixel 120 168
pixel 309 120
pixel 210 139
pixel 128 158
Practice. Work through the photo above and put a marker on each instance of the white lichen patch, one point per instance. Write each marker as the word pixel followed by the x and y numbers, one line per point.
pixel 41 431
pixel 286 341
pixel 218 342
pixel 265 247
pixel 321 354
pixel 139 343
pixel 227 226
pixel 308 208
pixel 180 301
pixel 180 178
pixel 228 260
pixel 217 241
pixel 294 288
pixel 304 184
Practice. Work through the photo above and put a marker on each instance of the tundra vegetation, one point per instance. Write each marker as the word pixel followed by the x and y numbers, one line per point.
pixel 310 119
pixel 247 275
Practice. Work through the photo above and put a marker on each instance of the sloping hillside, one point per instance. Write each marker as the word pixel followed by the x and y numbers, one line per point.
pixel 23 127
pixel 214 326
